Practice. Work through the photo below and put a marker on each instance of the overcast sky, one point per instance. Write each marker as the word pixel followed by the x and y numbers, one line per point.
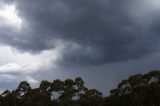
pixel 102 41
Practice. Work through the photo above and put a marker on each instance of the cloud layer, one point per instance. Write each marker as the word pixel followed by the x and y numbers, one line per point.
pixel 60 33
pixel 98 31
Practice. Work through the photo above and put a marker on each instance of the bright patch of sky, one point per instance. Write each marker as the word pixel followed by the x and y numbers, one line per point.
pixel 9 14
pixel 13 60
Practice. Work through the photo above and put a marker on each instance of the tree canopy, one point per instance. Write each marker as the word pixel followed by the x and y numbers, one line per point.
pixel 137 90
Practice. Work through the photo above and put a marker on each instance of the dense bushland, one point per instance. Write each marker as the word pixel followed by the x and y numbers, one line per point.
pixel 137 90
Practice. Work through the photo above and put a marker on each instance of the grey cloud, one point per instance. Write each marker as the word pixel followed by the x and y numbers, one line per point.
pixel 103 77
pixel 103 30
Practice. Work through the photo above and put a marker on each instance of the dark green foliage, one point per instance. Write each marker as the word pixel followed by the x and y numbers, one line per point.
pixel 137 90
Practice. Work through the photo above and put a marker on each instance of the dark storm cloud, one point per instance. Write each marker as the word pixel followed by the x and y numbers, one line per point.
pixel 98 31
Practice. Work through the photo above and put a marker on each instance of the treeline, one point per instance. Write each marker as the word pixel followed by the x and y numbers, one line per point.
pixel 137 90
